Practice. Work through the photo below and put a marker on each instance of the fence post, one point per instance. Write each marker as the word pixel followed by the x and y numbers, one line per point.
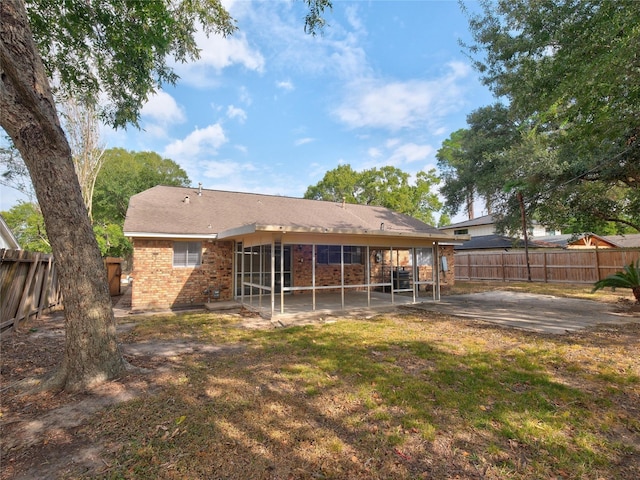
pixel 544 266
pixel 26 302
pixel 597 265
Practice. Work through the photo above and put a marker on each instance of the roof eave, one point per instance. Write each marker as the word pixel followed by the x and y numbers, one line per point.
pixel 255 228
pixel 194 236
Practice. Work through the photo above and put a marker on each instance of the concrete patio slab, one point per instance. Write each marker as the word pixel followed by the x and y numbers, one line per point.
pixel 527 311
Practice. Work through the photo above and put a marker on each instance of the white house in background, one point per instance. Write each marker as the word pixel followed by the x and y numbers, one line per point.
pixel 485 225
pixel 7 238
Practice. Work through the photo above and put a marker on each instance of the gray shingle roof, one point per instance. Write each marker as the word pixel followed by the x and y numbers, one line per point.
pixel 629 240
pixel 502 242
pixel 484 220
pixel 163 210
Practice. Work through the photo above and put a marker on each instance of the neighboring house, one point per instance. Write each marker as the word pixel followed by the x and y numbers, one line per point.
pixel 194 246
pixel 576 241
pixel 590 240
pixel 7 238
pixel 492 243
pixel 630 240
pixel 485 225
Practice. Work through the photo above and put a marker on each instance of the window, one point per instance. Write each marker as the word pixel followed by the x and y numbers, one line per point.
pixel 186 254
pixel 461 231
pixel 330 254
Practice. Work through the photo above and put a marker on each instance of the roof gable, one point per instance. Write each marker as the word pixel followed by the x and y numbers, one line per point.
pixel 7 238
pixel 188 211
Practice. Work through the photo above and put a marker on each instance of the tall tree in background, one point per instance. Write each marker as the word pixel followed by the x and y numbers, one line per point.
pixel 116 49
pixel 81 126
pixel 125 174
pixel 470 162
pixel 386 186
pixel 459 186
pixel 26 223
pixel 571 68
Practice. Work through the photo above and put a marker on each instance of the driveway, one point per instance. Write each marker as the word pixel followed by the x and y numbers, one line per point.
pixel 527 311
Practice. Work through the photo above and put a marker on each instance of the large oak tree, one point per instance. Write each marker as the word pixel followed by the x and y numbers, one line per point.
pixel 117 50
pixel 570 69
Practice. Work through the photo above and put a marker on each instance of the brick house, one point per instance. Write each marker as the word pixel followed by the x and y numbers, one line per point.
pixel 196 246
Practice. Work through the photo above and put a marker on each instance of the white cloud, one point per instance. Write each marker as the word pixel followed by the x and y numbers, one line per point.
pixel 225 168
pixel 374 152
pixel 218 53
pixel 162 108
pixel 159 113
pixel 398 105
pixel 410 152
pixel 244 95
pixel 285 85
pixel 206 140
pixel 237 113
pixel 302 141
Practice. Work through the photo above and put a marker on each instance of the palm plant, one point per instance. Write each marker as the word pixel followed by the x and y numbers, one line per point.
pixel 629 277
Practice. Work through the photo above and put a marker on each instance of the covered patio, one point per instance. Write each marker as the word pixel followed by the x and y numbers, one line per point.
pixel 283 272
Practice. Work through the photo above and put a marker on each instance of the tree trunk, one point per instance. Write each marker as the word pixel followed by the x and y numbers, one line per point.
pixel 28 115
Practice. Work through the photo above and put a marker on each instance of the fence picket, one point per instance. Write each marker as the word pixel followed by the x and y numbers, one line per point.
pixel 559 266
pixel 29 285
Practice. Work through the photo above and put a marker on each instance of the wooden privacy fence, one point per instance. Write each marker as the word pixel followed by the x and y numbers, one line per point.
pixel 555 266
pixel 29 286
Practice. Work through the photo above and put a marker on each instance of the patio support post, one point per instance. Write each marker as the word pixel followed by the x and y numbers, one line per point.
pixel 251 276
pixel 313 276
pixel 392 267
pixel 414 274
pixel 260 274
pixel 273 276
pixel 436 272
pixel 281 276
pixel 242 274
pixel 368 274
pixel 342 275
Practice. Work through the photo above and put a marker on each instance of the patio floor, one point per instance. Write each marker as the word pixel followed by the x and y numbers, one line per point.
pixel 300 306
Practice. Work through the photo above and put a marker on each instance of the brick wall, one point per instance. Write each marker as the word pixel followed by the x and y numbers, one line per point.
pixel 157 284
pixel 326 275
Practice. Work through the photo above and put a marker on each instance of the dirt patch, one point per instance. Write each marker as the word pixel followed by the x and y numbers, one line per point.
pixel 41 434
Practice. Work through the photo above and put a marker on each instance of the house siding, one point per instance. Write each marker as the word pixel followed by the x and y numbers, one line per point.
pixel 159 285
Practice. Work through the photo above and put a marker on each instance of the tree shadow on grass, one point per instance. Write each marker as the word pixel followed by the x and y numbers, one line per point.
pixel 369 402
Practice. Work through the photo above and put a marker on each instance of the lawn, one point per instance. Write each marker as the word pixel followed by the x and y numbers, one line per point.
pixel 395 396
pixel 386 397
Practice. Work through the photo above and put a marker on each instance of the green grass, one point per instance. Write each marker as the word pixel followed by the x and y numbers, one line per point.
pixel 389 397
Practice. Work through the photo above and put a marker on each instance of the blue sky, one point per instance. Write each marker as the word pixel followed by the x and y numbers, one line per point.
pixel 271 109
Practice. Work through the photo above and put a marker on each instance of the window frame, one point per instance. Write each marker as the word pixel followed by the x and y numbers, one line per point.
pixel 330 254
pixel 192 248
